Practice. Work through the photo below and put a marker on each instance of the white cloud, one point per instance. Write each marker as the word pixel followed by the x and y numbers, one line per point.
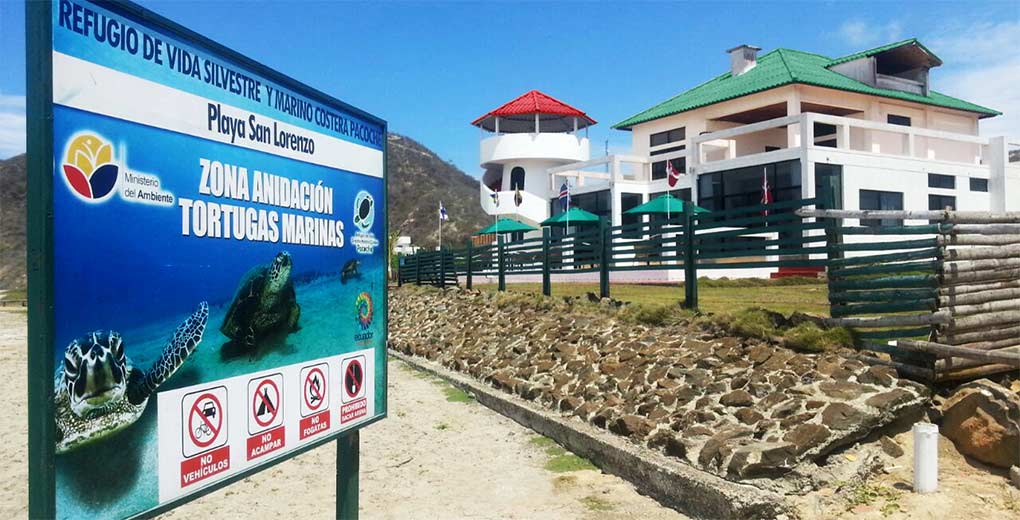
pixel 12 125
pixel 983 70
pixel 859 33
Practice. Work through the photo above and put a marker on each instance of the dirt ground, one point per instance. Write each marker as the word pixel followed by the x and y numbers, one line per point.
pixel 967 489
pixel 438 455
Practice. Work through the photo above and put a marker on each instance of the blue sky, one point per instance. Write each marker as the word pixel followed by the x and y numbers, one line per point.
pixel 431 68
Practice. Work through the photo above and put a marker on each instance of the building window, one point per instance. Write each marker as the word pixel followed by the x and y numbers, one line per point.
pixel 742 187
pixel 936 180
pixel 881 200
pixel 894 119
pixel 941 202
pixel 659 168
pixel 517 178
pixel 669 136
pixel 978 184
pixel 668 150
pixel 628 201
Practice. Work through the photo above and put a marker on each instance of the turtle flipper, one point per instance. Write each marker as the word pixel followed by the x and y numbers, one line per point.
pixel 177 349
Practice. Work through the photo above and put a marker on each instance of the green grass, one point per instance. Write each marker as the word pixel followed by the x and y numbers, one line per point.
pixel 597 504
pixel 716 296
pixel 456 395
pixel 15 294
pixel 560 460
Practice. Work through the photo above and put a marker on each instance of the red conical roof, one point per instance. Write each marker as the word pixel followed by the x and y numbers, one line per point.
pixel 529 104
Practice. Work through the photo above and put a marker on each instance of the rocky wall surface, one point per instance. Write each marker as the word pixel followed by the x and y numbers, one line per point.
pixel 738 408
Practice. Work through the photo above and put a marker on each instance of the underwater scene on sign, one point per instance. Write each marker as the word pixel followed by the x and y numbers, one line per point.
pixel 170 273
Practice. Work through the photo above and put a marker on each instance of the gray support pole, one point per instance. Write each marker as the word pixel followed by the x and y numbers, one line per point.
pixel 348 461
pixel 442 268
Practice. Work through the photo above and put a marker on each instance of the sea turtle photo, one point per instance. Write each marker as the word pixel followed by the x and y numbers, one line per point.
pixel 99 391
pixel 350 271
pixel 265 303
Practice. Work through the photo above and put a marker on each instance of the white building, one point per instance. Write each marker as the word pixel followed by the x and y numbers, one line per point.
pixel 869 123
pixel 522 140
pixel 403 246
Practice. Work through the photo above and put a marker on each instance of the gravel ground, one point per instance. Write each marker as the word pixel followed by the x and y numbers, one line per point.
pixel 437 455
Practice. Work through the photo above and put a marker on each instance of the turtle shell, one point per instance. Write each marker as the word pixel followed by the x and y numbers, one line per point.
pixel 246 303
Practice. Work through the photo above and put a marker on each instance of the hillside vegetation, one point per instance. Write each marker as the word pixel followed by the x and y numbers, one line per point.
pixel 419 179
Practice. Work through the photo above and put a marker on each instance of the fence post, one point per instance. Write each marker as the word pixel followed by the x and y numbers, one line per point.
pixel 546 282
pixel 690 262
pixel 604 240
pixel 502 264
pixel 417 268
pixel 400 269
pixel 469 264
pixel 442 268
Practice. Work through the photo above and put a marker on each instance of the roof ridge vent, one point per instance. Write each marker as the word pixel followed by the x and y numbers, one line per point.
pixel 743 58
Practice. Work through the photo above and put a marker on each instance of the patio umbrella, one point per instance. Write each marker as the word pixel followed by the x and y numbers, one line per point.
pixel 505 225
pixel 574 216
pixel 664 205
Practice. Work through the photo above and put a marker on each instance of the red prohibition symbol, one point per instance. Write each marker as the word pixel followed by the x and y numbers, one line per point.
pixel 353 378
pixel 315 388
pixel 265 402
pixel 210 415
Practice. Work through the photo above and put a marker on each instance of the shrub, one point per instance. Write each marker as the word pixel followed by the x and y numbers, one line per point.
pixel 809 337
pixel 752 323
pixel 646 314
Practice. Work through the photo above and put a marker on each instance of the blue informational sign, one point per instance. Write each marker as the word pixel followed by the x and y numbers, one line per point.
pixel 219 260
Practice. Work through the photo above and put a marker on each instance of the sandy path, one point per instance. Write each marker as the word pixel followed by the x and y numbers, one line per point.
pixel 432 458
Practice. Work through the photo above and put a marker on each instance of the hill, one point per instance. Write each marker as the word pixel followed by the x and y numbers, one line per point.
pixel 419 179
pixel 13 177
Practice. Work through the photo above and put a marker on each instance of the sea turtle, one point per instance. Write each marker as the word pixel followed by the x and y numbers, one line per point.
pixel 350 271
pixel 265 303
pixel 98 391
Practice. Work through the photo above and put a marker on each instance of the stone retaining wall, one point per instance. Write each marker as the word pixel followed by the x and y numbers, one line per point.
pixel 741 409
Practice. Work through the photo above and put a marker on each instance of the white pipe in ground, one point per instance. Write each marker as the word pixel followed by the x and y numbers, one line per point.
pixel 926 457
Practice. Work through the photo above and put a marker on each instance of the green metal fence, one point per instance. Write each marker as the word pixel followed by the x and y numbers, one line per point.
pixel 760 236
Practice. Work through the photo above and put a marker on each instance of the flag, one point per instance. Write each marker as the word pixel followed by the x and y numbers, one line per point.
pixel 565 196
pixel 518 198
pixel 442 212
pixel 672 174
pixel 495 198
pixel 766 193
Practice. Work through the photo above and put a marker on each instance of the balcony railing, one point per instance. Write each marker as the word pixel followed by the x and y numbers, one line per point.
pixel 745 145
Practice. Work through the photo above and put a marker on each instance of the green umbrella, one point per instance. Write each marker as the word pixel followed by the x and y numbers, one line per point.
pixel 664 205
pixel 575 216
pixel 505 225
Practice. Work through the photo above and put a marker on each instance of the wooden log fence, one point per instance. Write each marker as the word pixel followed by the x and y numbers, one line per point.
pixel 970 279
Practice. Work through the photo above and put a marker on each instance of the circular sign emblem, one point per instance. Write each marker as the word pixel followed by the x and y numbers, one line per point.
pixel 265 404
pixel 363 306
pixel 315 389
pixel 364 210
pixel 354 378
pixel 205 420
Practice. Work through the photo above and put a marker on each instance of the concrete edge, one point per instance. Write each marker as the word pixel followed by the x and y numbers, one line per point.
pixel 677 485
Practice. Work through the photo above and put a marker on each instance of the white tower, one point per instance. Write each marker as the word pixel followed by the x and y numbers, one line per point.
pixel 520 141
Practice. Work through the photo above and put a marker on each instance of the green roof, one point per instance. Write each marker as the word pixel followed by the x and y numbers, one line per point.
pixel 883 48
pixel 785 67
